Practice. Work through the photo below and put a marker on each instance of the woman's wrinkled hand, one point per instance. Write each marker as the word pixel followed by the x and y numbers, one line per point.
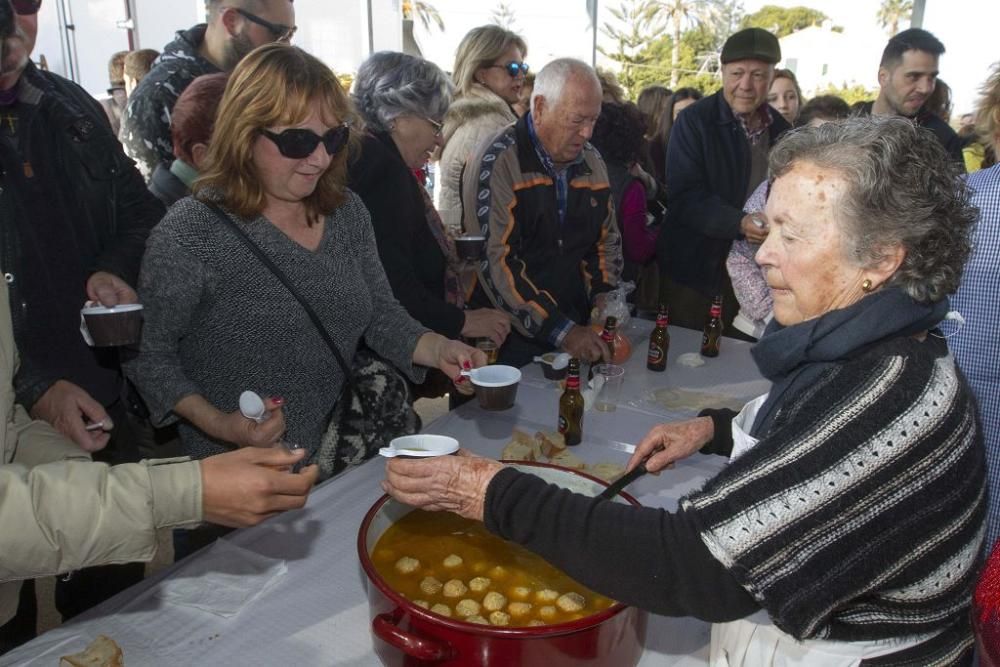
pixel 245 432
pixel 667 443
pixel 443 483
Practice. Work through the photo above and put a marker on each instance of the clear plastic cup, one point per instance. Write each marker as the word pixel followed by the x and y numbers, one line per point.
pixel 612 377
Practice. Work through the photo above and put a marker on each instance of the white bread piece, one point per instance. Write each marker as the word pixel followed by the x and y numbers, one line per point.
pixel 102 652
pixel 568 460
pixel 551 443
pixel 522 447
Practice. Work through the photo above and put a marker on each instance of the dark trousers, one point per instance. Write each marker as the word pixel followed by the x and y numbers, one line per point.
pixel 689 307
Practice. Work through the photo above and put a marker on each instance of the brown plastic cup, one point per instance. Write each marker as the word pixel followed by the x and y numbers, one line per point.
pixel 114 326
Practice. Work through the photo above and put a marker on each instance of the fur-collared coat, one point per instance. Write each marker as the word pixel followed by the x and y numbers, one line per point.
pixel 472 119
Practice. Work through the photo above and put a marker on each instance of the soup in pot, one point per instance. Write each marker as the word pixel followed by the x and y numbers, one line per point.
pixel 456 568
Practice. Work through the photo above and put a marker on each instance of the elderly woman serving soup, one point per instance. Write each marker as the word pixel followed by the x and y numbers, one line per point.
pixel 218 319
pixel 848 521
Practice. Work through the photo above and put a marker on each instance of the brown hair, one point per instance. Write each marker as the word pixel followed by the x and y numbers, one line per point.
pixel 276 84
pixel 116 66
pixel 138 63
pixel 193 116
pixel 790 75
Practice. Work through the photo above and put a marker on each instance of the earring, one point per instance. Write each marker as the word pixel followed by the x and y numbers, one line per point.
pixel 867 286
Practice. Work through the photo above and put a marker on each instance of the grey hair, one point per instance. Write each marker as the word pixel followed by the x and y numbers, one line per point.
pixel 902 190
pixel 391 84
pixel 551 79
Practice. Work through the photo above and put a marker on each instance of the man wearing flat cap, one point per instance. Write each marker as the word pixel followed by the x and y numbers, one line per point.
pixel 717 156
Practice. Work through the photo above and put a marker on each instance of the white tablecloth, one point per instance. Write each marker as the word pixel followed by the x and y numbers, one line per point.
pixel 317 612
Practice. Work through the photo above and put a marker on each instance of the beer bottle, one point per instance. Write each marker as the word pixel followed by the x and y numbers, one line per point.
pixel 712 336
pixel 571 406
pixel 608 336
pixel 659 343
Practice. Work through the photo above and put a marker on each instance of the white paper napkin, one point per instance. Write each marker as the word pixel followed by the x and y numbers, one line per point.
pixel 223 580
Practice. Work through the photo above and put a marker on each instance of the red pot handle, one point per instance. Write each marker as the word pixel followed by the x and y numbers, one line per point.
pixel 385 628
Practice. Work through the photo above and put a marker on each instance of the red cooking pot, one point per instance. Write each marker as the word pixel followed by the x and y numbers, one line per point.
pixel 406 634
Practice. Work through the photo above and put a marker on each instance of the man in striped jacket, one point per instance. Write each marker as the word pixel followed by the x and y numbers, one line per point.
pixel 539 193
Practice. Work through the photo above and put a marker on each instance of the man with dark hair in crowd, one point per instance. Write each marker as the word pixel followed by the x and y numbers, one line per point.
pixel 234 29
pixel 907 76
pixel 822 109
pixel 717 156
pixel 74 217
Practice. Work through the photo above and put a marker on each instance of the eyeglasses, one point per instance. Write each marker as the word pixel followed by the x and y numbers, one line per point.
pixel 438 127
pixel 513 68
pixel 26 7
pixel 299 143
pixel 279 31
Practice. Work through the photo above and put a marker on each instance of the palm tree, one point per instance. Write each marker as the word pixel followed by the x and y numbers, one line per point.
pixel 892 12
pixel 678 13
pixel 425 11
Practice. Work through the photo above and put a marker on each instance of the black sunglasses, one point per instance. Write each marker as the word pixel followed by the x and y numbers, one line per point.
pixel 280 32
pixel 513 68
pixel 298 143
pixel 26 7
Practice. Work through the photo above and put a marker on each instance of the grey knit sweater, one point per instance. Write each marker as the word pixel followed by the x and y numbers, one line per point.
pixel 217 321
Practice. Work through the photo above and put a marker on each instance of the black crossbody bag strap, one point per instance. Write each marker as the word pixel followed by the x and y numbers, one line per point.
pixel 279 274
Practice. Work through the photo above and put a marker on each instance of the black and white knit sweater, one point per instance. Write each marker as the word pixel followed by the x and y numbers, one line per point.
pixel 858 516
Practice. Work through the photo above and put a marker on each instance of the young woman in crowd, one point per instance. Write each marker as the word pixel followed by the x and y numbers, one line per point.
pixel 218 321
pixel 488 74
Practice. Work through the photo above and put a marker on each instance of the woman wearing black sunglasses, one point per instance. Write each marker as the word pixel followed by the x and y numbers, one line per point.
pixel 218 321
pixel 402 100
pixel 489 73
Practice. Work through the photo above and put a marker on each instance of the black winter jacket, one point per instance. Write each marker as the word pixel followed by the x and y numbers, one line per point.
pixel 72 204
pixel 708 168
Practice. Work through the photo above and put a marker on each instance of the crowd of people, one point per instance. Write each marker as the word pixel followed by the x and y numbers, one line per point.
pixel 282 237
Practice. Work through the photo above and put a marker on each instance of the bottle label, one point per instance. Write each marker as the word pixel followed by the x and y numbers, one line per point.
pixel 572 382
pixel 661 320
pixel 716 311
pixel 607 336
pixel 655 354
pixel 563 425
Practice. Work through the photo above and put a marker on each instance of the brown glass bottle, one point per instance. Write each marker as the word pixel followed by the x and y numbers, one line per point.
pixel 571 406
pixel 608 336
pixel 711 338
pixel 659 343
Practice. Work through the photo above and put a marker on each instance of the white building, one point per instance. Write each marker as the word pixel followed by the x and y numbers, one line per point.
pixel 78 37
pixel 821 57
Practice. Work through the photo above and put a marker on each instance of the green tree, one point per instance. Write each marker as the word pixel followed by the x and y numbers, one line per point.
pixel 631 30
pixel 783 20
pixel 697 64
pixel 503 16
pixel 424 11
pixel 892 12
pixel 851 94
pixel 681 13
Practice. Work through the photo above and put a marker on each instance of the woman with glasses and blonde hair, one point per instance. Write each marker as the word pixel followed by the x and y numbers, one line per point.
pixel 403 100
pixel 489 74
pixel 219 320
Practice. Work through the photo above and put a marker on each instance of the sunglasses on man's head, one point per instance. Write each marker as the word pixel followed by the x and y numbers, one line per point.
pixel 26 7
pixel 513 68
pixel 279 32
pixel 299 143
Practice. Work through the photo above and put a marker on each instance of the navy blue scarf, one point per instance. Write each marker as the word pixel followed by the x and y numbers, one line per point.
pixel 794 357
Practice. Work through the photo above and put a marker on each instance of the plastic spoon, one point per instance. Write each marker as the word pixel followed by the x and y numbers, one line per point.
pixel 252 407
pixel 559 361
